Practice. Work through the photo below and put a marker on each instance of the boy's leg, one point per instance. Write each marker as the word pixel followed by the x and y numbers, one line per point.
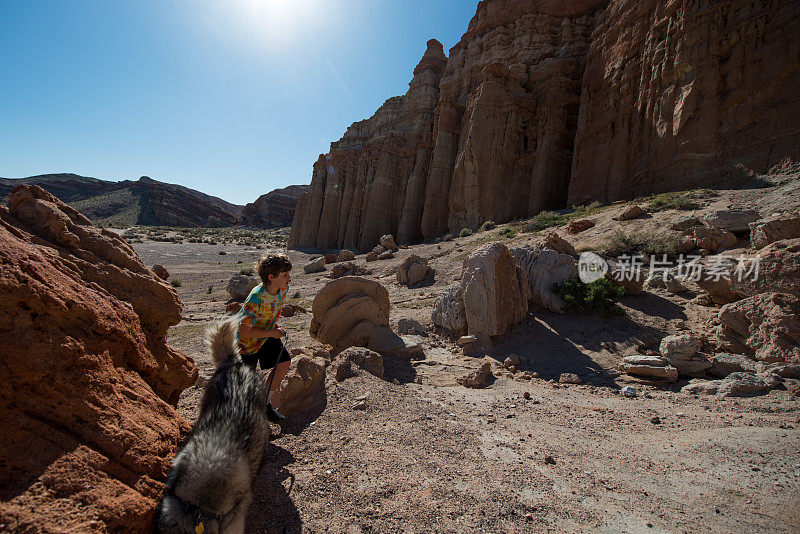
pixel 277 375
pixel 274 354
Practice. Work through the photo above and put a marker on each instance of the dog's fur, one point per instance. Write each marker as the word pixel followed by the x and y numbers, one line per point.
pixel 212 475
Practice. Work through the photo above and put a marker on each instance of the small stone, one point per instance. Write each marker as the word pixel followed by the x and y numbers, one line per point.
pixel 629 391
pixel 526 395
pixel 570 378
pixel 655 420
pixel 395 381
pixel 549 460
pixel 466 340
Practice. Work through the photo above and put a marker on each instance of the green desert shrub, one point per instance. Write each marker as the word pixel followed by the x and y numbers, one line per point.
pixel 672 201
pixel 465 232
pixel 589 209
pixel 600 296
pixel 544 219
pixel 645 243
pixel 247 271
pixel 488 225
pixel 508 232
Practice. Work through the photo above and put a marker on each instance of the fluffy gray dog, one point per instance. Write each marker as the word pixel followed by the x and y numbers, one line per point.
pixel 209 488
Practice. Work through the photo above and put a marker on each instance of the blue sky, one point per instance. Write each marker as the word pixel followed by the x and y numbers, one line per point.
pixel 230 97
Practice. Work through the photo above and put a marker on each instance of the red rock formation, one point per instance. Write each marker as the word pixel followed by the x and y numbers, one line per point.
pixel 492 139
pixel 543 104
pixel 274 209
pixel 679 95
pixel 144 201
pixel 87 380
pixel 373 180
pixel 175 205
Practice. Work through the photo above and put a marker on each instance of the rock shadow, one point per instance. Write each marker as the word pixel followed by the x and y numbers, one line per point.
pixel 655 306
pixel 591 331
pixel 272 510
pixel 398 368
pixel 547 352
pixel 295 424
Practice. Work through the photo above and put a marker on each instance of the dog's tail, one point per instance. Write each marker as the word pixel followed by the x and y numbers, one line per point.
pixel 221 340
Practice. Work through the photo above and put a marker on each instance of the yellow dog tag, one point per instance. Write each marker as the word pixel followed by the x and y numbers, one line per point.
pixel 200 528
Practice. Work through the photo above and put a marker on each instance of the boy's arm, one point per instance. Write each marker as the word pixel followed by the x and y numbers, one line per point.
pixel 246 329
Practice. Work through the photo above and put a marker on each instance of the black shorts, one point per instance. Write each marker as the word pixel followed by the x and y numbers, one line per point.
pixel 271 353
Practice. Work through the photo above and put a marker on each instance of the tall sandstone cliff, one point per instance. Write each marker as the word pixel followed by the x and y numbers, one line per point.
pixel 543 104
pixel 680 95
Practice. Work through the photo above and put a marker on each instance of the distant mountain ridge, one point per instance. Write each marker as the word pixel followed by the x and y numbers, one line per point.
pixel 151 202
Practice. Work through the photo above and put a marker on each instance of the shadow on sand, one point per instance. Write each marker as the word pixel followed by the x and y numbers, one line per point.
pixel 272 510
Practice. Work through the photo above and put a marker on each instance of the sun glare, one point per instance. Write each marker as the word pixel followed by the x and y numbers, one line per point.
pixel 280 23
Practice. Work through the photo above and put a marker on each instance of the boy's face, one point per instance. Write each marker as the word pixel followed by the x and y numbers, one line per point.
pixel 280 281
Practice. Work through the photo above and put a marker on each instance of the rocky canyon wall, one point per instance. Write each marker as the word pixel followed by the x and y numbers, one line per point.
pixel 543 104
pixel 88 383
pixel 686 94
pixel 274 209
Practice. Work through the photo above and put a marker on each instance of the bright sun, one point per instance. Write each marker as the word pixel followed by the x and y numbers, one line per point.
pixel 280 23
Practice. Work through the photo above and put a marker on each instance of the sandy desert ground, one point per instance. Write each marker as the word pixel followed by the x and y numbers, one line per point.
pixel 429 455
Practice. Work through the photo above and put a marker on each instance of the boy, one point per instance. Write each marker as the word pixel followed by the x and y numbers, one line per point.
pixel 258 336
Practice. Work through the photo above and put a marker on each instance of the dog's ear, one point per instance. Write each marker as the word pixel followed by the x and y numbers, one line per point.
pixel 174 515
pixel 174 475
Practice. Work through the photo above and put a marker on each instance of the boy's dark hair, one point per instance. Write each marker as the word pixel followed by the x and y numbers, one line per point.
pixel 273 264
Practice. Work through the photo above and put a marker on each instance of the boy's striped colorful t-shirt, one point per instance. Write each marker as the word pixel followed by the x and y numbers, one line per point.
pixel 263 310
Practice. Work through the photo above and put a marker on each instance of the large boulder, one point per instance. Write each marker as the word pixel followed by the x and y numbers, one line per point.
pixel 553 241
pixel 479 378
pixel 387 242
pixel 353 312
pixel 346 255
pixel 630 212
pixel 240 286
pixel 649 367
pixel 713 239
pixel 735 221
pixel 448 311
pixel 315 265
pixel 348 268
pixel 684 222
pixel 303 389
pixel 778 270
pixel 725 363
pixel 718 289
pixel 160 271
pixel 414 270
pixel 545 268
pixel 766 231
pixel 411 326
pixel 578 226
pixel 87 382
pixel 765 327
pixel 360 357
pixel 681 351
pixel 734 385
pixel 494 289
